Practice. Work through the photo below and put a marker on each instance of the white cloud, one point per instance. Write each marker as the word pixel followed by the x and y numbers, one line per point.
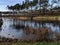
pixel 4 3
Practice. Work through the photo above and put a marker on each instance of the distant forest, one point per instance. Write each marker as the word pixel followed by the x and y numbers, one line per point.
pixel 36 6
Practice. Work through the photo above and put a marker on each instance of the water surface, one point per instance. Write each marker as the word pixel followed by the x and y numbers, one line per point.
pixel 8 29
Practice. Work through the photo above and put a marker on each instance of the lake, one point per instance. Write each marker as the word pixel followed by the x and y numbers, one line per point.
pixel 9 30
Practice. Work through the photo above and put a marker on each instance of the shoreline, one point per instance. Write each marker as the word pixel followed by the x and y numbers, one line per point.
pixel 37 18
pixel 38 35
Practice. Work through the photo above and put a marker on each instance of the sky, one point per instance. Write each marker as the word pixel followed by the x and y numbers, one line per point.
pixel 4 3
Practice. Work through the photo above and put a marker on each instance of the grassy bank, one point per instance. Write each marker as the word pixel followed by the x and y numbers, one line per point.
pixel 37 18
pixel 50 18
pixel 32 43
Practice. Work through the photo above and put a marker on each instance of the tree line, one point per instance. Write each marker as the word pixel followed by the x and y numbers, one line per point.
pixel 43 5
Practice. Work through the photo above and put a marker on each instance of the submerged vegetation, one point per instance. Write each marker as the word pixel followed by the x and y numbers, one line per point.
pixel 35 35
pixel 1 22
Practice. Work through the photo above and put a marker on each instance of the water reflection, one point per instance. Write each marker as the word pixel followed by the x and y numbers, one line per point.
pixel 9 30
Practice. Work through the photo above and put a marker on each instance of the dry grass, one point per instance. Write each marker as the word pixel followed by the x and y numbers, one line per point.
pixel 32 43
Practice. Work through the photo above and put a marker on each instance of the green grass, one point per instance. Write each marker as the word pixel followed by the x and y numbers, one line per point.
pixel 32 43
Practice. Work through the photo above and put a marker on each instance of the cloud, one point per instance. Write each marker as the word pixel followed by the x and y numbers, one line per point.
pixel 4 3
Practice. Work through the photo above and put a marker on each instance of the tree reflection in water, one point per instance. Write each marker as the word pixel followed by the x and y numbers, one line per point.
pixel 9 27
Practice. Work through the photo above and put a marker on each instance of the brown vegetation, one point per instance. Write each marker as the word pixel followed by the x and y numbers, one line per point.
pixel 40 34
pixel 1 22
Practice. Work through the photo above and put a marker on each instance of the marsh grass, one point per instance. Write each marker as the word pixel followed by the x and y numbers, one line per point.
pixel 31 43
